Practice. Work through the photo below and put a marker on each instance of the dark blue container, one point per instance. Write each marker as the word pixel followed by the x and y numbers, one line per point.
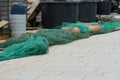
pixel 87 11
pixel 18 9
pixel 104 8
pixel 54 14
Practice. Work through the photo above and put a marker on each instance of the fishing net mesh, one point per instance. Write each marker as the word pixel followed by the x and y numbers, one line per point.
pixel 32 46
pixel 37 43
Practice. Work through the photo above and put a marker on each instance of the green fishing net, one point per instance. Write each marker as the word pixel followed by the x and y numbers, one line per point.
pixel 83 28
pixel 25 45
pixel 110 26
pixel 37 43
pixel 32 46
pixel 14 40
pixel 57 36
pixel 106 27
pixel 54 37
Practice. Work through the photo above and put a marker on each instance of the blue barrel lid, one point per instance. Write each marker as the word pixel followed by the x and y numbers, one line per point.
pixel 18 8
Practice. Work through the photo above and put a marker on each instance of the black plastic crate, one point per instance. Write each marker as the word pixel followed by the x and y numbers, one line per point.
pixel 54 14
pixel 104 7
pixel 87 11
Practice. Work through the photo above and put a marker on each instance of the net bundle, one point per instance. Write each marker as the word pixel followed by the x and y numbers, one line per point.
pixel 38 43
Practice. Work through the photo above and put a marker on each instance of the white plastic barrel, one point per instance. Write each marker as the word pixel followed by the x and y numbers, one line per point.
pixel 17 24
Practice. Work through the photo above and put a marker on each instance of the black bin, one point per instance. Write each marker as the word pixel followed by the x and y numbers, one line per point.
pixel 87 11
pixel 104 7
pixel 54 14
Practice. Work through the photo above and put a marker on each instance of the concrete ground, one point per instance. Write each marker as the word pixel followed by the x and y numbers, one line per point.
pixel 95 58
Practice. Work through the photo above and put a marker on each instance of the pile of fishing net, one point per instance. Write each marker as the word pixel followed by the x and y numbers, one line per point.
pixel 102 28
pixel 53 36
pixel 82 27
pixel 93 28
pixel 26 46
pixel 37 43
pixel 32 46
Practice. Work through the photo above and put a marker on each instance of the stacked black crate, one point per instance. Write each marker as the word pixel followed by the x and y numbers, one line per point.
pixel 104 7
pixel 56 12
pixel 87 11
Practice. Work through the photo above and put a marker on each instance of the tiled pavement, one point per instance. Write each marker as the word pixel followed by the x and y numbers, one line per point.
pixel 95 58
